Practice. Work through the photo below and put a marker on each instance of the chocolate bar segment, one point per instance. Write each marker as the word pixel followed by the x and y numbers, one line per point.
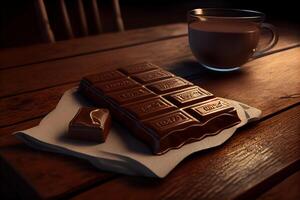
pixel 90 124
pixel 175 129
pixel 149 108
pixel 169 122
pixel 168 85
pixel 151 76
pixel 209 109
pixel 189 96
pixel 105 76
pixel 162 110
pixel 131 95
pixel 116 85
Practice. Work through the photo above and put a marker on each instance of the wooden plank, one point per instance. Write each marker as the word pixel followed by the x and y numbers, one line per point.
pixel 43 52
pixel 20 126
pixel 30 105
pixel 19 80
pixel 52 175
pixel 266 83
pixel 243 167
pixel 49 74
pixel 287 189
pixel 253 77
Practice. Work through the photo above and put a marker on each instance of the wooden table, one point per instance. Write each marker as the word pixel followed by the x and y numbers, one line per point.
pixel 262 160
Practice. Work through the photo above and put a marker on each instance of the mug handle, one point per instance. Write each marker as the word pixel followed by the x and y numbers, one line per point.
pixel 272 42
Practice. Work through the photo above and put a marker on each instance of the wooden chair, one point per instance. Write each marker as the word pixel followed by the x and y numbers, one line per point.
pixel 46 27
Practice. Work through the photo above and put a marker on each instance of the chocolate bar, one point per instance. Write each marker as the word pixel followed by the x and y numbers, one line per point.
pixel 91 124
pixel 162 110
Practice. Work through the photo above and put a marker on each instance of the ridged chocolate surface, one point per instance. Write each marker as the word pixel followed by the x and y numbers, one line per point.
pixel 161 109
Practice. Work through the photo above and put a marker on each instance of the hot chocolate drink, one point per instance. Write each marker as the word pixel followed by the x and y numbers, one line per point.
pixel 222 43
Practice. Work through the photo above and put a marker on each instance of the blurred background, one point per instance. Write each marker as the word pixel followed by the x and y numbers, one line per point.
pixel 20 23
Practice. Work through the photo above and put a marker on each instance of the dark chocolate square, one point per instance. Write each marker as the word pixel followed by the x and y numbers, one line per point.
pixel 104 76
pixel 151 76
pixel 169 85
pixel 131 95
pixel 164 124
pixel 90 124
pixel 149 108
pixel 209 109
pixel 116 85
pixel 189 96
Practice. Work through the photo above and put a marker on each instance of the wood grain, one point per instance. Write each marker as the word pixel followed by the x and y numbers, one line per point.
pixel 8 130
pixel 57 72
pixel 30 105
pixel 252 161
pixel 243 167
pixel 44 175
pixel 260 68
pixel 268 83
pixel 37 174
pixel 287 189
pixel 259 91
pixel 43 52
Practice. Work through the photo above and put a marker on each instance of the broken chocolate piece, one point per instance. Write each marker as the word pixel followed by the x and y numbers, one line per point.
pixel 91 124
